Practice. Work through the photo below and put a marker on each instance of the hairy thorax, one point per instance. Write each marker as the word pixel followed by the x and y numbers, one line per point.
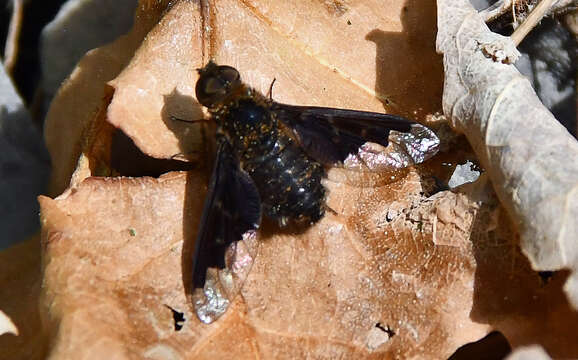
pixel 288 180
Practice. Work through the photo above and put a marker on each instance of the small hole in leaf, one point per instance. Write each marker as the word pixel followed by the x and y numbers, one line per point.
pixel 546 276
pixel 386 329
pixel 178 318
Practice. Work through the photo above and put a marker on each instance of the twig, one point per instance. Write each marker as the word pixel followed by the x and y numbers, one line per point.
pixel 533 18
pixel 11 47
pixel 503 6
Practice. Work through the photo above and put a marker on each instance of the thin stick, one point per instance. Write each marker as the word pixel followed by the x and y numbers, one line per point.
pixel 513 7
pixel 11 47
pixel 501 7
pixel 496 10
pixel 533 18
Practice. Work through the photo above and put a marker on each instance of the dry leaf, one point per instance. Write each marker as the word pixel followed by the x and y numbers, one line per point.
pixel 533 352
pixel 519 142
pixel 338 288
pixel 390 274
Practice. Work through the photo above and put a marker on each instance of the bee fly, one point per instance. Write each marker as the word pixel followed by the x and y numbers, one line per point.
pixel 270 160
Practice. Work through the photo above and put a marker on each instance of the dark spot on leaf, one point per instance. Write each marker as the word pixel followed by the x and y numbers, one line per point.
pixel 546 276
pixel 178 318
pixel 386 329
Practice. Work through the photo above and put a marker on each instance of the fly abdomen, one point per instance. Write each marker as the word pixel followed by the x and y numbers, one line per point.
pixel 289 183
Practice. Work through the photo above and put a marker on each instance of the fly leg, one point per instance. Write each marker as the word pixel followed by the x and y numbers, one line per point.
pixel 270 92
pixel 174 118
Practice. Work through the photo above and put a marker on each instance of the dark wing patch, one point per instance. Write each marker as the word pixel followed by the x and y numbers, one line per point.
pixel 343 137
pixel 226 243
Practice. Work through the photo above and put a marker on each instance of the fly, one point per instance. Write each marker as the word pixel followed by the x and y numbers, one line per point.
pixel 270 161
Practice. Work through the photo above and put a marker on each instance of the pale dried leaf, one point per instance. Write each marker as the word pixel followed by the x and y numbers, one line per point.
pixel 533 352
pixel 519 142
pixel 159 83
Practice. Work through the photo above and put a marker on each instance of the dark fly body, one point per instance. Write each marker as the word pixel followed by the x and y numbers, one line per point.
pixel 270 160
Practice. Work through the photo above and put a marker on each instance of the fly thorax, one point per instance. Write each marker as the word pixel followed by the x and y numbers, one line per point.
pixel 250 128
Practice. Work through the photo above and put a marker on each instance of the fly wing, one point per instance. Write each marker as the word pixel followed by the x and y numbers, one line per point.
pixel 226 243
pixel 358 140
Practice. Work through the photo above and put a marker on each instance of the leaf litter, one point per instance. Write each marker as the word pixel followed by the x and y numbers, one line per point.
pixel 360 284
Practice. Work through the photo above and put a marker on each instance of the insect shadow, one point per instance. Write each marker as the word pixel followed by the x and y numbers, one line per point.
pixel 182 114
pixel 400 70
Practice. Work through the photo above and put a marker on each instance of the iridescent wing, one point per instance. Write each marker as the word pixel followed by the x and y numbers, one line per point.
pixel 358 140
pixel 226 243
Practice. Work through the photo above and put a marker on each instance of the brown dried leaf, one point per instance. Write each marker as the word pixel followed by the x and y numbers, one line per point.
pixel 111 276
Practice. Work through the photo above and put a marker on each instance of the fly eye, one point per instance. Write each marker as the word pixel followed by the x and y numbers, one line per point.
pixel 216 83
pixel 213 86
pixel 228 74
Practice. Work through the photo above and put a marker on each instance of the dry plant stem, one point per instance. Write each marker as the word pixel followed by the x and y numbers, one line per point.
pixel 535 16
pixel 503 6
pixel 525 150
pixel 11 47
pixel 571 21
